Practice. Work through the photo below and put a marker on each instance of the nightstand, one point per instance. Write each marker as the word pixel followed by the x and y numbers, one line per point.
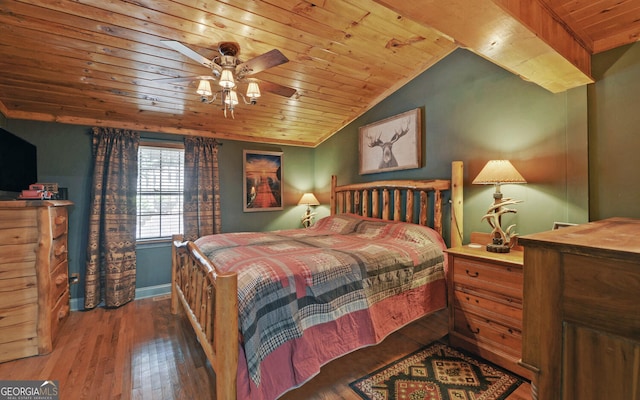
pixel 485 304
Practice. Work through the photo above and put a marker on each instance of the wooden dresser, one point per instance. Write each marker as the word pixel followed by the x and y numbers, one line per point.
pixel 485 304
pixel 582 311
pixel 34 277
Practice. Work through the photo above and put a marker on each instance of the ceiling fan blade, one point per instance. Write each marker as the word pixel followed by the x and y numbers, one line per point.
pixel 185 79
pixel 179 47
pixel 261 62
pixel 277 89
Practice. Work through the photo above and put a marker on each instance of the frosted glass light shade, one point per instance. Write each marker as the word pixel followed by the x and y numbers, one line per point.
pixel 231 98
pixel 226 79
pixel 204 88
pixel 253 90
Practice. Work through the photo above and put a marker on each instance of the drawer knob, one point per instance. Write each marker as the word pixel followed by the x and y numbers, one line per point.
pixel 60 250
pixel 474 331
pixel 63 313
pixel 60 279
pixel 474 274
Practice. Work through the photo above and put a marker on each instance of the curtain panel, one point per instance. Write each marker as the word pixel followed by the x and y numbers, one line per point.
pixel 201 188
pixel 111 247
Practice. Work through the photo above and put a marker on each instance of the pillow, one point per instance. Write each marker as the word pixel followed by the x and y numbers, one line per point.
pixel 341 224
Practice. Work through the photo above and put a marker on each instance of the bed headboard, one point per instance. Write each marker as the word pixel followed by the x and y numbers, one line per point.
pixel 404 200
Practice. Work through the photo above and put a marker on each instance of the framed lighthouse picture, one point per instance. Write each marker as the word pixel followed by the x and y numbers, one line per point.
pixel 391 144
pixel 262 172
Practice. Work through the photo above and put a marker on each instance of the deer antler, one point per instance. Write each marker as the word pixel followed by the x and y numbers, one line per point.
pixel 398 135
pixel 374 142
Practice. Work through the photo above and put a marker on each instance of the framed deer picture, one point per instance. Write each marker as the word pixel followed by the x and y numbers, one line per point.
pixel 391 144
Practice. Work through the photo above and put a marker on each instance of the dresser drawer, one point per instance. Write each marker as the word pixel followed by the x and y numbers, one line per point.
pixel 18 218
pixel 59 282
pixel 490 276
pixel 18 349
pixel 58 221
pixel 489 305
pixel 507 339
pixel 34 284
pixel 59 313
pixel 58 251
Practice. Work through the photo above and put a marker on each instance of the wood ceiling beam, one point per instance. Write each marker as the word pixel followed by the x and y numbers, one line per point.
pixel 521 36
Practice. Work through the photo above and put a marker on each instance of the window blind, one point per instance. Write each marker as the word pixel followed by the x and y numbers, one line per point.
pixel 160 191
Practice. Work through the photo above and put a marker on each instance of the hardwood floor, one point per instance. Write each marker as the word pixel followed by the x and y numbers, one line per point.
pixel 141 351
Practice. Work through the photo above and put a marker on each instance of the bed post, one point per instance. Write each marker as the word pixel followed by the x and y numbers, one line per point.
pixel 174 266
pixel 226 336
pixel 457 180
pixel 332 200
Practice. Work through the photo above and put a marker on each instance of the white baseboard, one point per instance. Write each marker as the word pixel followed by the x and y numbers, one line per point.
pixel 141 293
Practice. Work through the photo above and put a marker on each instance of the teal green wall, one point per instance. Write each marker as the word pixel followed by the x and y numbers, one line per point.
pixel 297 167
pixel 614 134
pixel 64 156
pixel 475 111
pixel 566 145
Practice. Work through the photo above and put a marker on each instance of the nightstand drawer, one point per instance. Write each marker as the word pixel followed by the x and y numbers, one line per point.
pixel 508 339
pixel 485 304
pixel 491 276
pixel 489 305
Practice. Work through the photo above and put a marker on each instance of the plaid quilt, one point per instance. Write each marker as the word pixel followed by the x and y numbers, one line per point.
pixel 291 280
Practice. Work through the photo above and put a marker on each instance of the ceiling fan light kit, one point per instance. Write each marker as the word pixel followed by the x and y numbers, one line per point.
pixel 229 71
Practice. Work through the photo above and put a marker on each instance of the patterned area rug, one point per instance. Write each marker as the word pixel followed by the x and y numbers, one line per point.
pixel 437 372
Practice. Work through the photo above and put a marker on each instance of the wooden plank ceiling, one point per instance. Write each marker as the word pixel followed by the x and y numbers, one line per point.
pixel 98 62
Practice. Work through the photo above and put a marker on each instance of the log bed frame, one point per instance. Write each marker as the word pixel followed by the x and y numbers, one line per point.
pixel 209 297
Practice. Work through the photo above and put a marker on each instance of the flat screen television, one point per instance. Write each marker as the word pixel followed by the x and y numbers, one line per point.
pixel 18 163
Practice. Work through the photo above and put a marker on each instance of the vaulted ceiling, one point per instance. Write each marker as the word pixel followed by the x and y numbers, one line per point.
pixel 104 63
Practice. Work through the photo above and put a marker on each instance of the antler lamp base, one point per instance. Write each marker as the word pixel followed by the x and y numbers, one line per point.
pixel 497 172
pixel 500 240
pixel 498 247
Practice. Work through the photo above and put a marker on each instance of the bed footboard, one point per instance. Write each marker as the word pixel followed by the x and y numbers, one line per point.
pixel 210 302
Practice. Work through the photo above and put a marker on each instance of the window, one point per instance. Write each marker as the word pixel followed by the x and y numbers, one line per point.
pixel 160 191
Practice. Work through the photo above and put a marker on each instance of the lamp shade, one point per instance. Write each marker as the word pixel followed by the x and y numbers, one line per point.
pixel 253 90
pixel 204 88
pixel 309 199
pixel 226 79
pixel 231 98
pixel 496 172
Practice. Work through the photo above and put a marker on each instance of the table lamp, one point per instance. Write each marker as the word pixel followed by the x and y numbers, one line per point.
pixel 310 200
pixel 498 172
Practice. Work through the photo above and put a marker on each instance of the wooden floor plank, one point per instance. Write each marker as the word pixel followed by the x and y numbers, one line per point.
pixel 141 351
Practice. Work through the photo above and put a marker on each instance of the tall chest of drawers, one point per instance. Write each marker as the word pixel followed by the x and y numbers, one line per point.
pixel 485 304
pixel 34 277
pixel 582 311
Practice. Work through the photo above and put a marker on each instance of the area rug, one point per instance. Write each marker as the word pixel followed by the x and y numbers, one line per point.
pixel 437 372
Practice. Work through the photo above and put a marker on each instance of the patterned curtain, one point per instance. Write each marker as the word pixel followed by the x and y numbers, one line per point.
pixel 111 248
pixel 201 187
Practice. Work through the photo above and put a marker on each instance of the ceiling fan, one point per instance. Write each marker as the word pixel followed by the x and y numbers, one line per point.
pixel 229 71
